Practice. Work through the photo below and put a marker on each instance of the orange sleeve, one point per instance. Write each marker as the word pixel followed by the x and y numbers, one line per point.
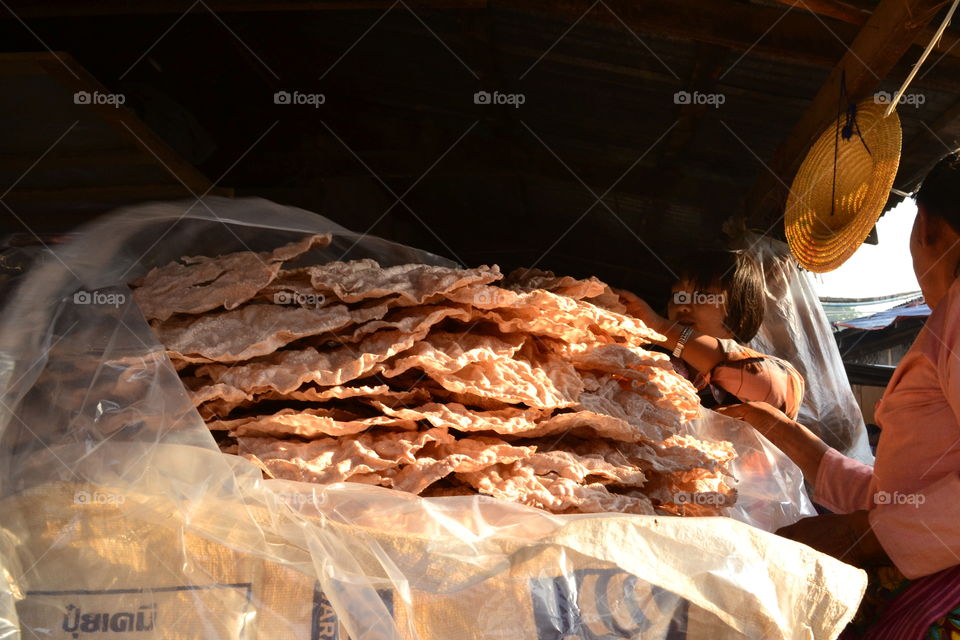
pixel 755 377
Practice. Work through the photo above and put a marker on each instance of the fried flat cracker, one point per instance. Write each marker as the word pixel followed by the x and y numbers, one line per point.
pixel 285 371
pixel 443 352
pixel 225 393
pixel 220 400
pixel 366 393
pixel 413 283
pixel 504 380
pixel 462 456
pixel 308 423
pixel 338 459
pixel 470 455
pixel 482 365
pixel 577 314
pixel 590 289
pixel 409 320
pixel 437 392
pixel 614 358
pixel 293 286
pixel 511 421
pixel 685 476
pixel 666 391
pixel 292 250
pixel 585 468
pixel 200 283
pixel 719 451
pixel 681 461
pixel 591 424
pixel 518 482
pixel 254 330
pixel 621 399
pixel 530 279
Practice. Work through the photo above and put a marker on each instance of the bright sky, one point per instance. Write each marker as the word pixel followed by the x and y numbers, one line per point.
pixel 876 270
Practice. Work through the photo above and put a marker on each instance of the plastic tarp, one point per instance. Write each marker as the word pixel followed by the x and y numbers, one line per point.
pixel 121 517
pixel 796 328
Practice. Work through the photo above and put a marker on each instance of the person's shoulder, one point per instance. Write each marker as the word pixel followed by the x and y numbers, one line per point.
pixel 734 351
pixel 737 352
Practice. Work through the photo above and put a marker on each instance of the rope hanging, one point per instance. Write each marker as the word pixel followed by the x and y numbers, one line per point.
pixel 849 126
pixel 923 57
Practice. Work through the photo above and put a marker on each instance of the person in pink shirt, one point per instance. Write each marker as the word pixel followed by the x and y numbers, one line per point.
pixel 903 512
pixel 716 306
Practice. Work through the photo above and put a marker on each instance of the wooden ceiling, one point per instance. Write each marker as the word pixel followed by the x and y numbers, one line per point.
pixel 600 170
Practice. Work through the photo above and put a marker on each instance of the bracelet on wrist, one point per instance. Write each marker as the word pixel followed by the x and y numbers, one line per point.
pixel 682 341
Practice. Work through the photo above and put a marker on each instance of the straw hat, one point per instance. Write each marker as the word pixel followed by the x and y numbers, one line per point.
pixel 822 236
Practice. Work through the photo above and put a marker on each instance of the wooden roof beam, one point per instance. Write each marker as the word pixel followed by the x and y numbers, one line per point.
pixel 949 44
pixel 757 31
pixel 885 37
pixel 792 36
pixel 836 9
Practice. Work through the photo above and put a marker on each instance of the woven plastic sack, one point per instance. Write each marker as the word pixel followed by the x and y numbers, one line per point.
pixel 123 519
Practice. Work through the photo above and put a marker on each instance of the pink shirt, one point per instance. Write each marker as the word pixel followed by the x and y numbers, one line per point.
pixel 913 489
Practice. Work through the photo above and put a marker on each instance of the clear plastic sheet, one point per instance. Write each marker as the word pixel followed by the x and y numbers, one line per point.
pixel 796 329
pixel 123 519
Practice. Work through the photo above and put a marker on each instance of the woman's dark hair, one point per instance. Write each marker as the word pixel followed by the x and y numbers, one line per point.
pixel 940 192
pixel 739 276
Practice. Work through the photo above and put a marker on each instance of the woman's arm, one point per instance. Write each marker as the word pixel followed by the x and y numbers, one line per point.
pixel 839 483
pixel 702 352
pixel 847 536
pixel 799 443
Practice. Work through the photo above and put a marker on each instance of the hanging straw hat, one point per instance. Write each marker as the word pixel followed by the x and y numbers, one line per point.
pixel 840 189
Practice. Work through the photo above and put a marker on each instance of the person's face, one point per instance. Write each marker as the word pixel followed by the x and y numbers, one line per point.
pixel 703 309
pixel 925 253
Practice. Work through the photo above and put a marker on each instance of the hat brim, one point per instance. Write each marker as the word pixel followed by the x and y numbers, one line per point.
pixel 816 239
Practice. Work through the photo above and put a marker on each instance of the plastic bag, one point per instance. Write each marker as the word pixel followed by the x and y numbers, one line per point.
pixel 796 329
pixel 126 518
pixel 770 490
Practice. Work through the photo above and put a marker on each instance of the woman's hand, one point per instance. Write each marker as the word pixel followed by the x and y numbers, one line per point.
pixel 701 352
pixel 638 308
pixel 847 537
pixel 763 417
pixel 799 443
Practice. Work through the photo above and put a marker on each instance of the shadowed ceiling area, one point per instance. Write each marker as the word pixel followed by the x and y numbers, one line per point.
pixel 606 139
